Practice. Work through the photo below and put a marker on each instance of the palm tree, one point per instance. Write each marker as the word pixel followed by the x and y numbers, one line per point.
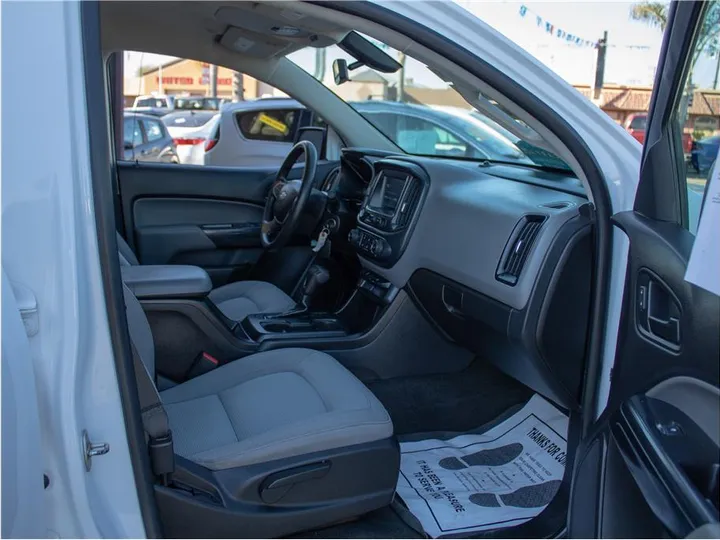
pixel 655 14
pixel 652 13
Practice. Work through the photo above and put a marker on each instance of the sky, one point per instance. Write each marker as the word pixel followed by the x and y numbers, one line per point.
pixel 632 54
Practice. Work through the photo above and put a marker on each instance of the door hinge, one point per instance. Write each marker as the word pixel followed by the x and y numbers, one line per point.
pixel 91 449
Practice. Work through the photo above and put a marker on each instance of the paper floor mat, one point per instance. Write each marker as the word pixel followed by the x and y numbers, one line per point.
pixel 498 479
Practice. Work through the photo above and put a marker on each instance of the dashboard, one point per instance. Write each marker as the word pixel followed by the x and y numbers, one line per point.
pixel 499 258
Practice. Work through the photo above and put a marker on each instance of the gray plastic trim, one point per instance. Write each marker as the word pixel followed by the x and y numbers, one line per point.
pixel 465 224
pixel 171 281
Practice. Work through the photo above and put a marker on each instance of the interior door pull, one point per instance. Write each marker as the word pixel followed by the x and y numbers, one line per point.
pixel 658 311
pixel 668 330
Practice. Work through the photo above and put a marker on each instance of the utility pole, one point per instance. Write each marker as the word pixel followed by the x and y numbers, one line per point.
pixel 160 88
pixel 600 66
pixel 320 61
pixel 238 90
pixel 213 80
pixel 717 70
pixel 401 79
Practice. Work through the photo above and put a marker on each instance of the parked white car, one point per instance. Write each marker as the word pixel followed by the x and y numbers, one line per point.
pixel 159 101
pixel 190 131
pixel 254 133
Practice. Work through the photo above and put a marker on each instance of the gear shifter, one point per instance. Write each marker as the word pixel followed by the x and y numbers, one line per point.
pixel 317 276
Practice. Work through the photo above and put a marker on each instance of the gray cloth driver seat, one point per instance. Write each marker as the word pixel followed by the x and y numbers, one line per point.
pixel 235 300
pixel 290 431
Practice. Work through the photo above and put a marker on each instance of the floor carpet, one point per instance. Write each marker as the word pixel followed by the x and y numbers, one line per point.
pixel 453 402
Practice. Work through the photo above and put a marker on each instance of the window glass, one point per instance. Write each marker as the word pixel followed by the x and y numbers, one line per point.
pixel 131 132
pixel 153 130
pixel 268 125
pixel 696 118
pixel 203 118
pixel 432 118
pixel 638 122
pixel 151 102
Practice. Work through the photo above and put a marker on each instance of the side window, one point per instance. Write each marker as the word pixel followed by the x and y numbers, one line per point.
pixel 132 136
pixel 208 121
pixel 153 130
pixel 697 123
pixel 276 125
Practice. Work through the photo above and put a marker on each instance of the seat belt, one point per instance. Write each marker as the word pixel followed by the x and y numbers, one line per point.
pixel 155 422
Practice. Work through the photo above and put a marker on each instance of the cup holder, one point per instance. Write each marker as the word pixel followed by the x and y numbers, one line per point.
pixel 275 326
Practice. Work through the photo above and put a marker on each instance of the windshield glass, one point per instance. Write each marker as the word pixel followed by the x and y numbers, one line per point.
pixel 150 102
pixel 423 114
pixel 198 103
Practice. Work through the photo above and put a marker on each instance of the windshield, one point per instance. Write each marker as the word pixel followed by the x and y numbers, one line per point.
pixel 150 102
pixel 423 114
pixel 198 103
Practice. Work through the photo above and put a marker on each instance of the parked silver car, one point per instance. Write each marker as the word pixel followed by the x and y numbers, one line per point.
pixel 262 131
pixel 255 133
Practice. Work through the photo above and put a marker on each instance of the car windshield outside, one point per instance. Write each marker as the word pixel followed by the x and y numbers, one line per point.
pixel 188 119
pixel 423 114
pixel 638 122
pixel 150 102
pixel 198 103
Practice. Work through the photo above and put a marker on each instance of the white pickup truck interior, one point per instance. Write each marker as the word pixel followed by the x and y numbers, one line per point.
pixel 448 292
pixel 277 382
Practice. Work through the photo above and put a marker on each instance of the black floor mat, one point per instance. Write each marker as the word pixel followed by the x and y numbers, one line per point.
pixel 449 402
pixel 434 403
pixel 383 523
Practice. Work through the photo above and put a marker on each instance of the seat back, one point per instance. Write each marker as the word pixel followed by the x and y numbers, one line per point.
pixel 127 257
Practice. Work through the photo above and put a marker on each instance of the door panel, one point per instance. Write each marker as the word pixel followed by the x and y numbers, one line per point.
pixel 657 471
pixel 205 216
pixel 640 467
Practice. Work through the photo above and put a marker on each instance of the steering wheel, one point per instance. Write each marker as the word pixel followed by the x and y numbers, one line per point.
pixel 287 198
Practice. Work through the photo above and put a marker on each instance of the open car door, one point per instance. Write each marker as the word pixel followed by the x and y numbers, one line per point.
pixel 649 466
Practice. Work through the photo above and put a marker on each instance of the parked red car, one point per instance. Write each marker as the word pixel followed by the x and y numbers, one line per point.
pixel 636 123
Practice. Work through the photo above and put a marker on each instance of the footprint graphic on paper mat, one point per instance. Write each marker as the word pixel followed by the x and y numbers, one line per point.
pixel 525 497
pixel 494 457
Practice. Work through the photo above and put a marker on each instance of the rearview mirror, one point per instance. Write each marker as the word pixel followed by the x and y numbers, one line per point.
pixel 368 54
pixel 341 73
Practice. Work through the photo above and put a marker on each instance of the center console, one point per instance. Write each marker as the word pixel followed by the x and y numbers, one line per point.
pixel 389 211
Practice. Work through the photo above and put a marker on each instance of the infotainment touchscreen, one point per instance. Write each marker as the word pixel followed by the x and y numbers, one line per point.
pixel 386 195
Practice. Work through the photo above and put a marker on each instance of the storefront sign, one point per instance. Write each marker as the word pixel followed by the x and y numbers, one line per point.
pixel 189 81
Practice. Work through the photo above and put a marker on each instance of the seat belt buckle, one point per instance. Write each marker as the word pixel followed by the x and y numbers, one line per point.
pixel 204 363
pixel 162 456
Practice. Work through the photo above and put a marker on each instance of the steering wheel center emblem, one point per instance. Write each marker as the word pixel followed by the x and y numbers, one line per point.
pixel 283 195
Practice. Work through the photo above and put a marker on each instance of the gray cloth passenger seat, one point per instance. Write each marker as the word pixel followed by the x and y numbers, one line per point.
pixel 270 444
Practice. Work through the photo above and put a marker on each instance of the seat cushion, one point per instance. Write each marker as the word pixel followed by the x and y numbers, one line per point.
pixel 242 298
pixel 272 405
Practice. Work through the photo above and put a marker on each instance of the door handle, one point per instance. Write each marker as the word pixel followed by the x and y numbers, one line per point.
pixel 668 330
pixel 658 311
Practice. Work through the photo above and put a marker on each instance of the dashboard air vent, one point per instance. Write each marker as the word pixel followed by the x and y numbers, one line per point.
pixel 518 248
pixel 410 202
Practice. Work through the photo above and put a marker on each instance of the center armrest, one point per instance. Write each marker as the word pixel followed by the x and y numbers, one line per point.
pixel 166 281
